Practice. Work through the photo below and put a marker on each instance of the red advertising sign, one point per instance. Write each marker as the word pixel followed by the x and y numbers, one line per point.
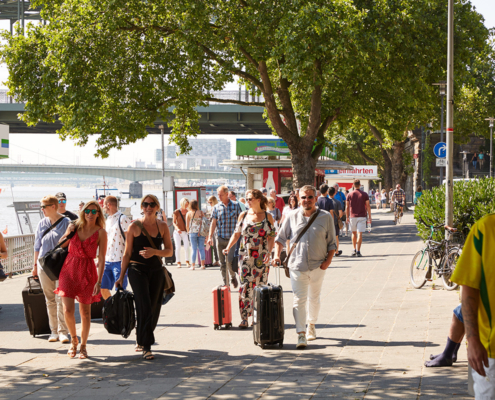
pixel 271 179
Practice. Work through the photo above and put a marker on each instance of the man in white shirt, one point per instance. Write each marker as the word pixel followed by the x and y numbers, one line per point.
pixel 116 227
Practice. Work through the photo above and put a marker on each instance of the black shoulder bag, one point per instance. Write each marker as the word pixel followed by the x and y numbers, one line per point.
pixel 285 264
pixel 120 227
pixel 53 261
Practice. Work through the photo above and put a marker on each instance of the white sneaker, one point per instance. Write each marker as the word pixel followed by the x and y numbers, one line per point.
pixel 311 332
pixel 53 338
pixel 63 338
pixel 301 341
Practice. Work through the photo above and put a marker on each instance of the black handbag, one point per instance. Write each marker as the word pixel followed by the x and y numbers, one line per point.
pixel 53 261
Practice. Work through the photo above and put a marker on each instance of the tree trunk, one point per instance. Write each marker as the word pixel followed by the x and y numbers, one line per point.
pixel 387 170
pixel 399 174
pixel 303 167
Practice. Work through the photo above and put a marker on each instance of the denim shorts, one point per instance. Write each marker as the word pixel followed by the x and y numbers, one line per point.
pixel 458 313
pixel 111 274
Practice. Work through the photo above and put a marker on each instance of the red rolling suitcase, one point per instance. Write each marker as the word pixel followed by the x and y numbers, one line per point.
pixel 222 307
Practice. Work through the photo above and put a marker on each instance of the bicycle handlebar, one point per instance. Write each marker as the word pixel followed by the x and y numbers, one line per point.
pixel 435 227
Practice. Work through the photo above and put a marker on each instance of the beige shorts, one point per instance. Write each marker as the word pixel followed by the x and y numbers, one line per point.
pixel 358 224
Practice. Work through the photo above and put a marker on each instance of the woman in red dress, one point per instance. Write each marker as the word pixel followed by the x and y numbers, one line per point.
pixel 79 280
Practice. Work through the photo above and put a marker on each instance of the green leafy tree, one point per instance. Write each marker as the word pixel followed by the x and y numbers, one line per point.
pixel 111 67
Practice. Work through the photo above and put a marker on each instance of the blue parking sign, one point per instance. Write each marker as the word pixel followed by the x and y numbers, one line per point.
pixel 440 150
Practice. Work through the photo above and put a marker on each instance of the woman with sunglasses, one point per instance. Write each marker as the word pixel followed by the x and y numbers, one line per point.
pixel 257 229
pixel 79 279
pixel 212 202
pixel 146 274
pixel 48 233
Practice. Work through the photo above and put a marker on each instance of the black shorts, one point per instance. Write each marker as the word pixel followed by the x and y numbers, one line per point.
pixel 337 230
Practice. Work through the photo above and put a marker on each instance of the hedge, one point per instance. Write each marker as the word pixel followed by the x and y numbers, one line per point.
pixel 472 200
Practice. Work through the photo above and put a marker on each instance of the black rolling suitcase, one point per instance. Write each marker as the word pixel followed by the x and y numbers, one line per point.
pixel 268 314
pixel 172 258
pixel 35 308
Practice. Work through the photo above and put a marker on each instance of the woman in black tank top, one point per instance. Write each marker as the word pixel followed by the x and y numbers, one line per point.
pixel 146 273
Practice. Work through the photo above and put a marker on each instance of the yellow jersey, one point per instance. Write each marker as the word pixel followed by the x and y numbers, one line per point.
pixel 476 269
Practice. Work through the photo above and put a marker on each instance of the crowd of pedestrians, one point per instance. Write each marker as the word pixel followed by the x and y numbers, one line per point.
pixel 254 232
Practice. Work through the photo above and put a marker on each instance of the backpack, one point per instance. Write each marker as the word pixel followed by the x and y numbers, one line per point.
pixel 118 313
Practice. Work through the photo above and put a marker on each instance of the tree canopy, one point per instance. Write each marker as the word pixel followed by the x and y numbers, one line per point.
pixel 111 67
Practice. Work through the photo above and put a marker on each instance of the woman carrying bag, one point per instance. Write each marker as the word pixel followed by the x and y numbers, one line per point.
pixel 258 237
pixel 79 279
pixel 180 231
pixel 143 258
pixel 194 222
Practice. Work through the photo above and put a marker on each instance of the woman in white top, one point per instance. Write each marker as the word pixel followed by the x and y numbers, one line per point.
pixel 378 197
pixel 180 231
pixel 194 219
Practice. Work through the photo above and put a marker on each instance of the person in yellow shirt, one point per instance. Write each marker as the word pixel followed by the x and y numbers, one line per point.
pixel 475 272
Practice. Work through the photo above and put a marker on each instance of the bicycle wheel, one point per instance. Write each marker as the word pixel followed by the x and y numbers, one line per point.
pixel 395 218
pixel 449 263
pixel 399 218
pixel 419 268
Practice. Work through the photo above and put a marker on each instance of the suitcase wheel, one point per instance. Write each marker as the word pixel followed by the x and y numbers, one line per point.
pixel 228 326
pixel 215 327
pixel 280 345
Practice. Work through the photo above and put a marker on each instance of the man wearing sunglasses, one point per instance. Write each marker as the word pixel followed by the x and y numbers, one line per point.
pixel 309 259
pixel 62 204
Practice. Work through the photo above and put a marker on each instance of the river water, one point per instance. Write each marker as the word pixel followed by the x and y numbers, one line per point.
pixel 74 195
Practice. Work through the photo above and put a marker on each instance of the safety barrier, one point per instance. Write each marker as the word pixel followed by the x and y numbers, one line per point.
pixel 20 251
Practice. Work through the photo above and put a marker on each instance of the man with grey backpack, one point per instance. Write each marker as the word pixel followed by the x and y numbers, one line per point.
pixel 116 227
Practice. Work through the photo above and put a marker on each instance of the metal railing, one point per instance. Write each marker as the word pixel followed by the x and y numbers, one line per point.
pixel 20 253
pixel 239 95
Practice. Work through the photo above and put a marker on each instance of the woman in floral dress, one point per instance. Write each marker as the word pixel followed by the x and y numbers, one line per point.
pixel 258 231
pixel 79 279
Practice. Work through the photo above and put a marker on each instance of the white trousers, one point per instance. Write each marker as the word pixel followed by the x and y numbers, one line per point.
pixel 306 287
pixel 484 387
pixel 177 238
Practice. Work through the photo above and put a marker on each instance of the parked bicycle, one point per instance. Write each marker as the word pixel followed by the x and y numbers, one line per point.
pixel 398 212
pixel 439 257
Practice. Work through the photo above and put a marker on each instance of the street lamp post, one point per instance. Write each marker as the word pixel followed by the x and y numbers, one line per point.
pixel 449 171
pixel 442 86
pixel 162 133
pixel 491 119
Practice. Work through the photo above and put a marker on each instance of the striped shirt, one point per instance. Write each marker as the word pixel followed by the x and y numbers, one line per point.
pixel 226 216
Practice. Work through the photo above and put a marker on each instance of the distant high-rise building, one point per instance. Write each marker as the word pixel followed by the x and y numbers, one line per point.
pixel 204 153
pixel 140 164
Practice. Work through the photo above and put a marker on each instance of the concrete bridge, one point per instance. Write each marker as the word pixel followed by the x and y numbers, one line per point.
pixel 130 174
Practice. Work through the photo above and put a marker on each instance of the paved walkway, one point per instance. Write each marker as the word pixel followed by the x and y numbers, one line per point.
pixel 374 333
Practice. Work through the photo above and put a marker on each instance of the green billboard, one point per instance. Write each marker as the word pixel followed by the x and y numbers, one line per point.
pixel 273 147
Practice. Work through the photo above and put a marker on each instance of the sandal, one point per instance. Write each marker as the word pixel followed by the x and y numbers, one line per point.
pixel 203 267
pixel 73 348
pixel 178 265
pixel 244 324
pixel 148 355
pixel 83 352
pixel 138 348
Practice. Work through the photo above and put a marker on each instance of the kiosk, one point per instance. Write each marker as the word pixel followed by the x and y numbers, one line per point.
pixel 345 178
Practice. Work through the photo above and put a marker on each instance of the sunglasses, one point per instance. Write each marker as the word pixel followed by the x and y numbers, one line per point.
pixel 63 201
pixel 307 197
pixel 43 206
pixel 90 211
pixel 250 198
pixel 146 204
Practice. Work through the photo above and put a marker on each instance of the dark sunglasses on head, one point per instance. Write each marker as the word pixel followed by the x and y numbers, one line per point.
pixel 90 211
pixel 146 204
pixel 48 205
pixel 307 197
pixel 62 201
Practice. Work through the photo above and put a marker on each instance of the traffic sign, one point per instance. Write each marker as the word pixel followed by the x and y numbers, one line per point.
pixel 440 150
pixel 441 162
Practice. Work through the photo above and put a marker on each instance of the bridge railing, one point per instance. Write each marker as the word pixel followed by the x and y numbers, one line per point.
pixel 20 253
pixel 239 95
